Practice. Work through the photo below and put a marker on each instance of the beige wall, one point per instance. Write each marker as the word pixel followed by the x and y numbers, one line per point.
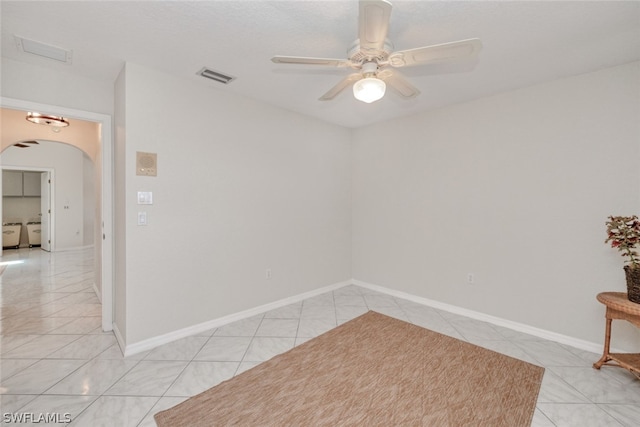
pixel 80 133
pixel 514 188
pixel 241 187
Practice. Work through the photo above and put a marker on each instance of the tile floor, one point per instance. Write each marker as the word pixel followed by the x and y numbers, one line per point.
pixel 55 359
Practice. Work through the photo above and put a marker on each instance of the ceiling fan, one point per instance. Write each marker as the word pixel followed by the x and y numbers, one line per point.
pixel 373 57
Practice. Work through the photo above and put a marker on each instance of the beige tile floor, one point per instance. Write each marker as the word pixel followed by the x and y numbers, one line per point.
pixel 55 359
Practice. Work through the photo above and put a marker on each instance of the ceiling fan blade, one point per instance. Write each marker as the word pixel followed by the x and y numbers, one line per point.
pixel 344 83
pixel 435 53
pixel 21 145
pixel 30 142
pixel 396 81
pixel 373 24
pixel 310 61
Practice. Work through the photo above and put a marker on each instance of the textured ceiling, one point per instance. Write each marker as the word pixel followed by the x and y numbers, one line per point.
pixel 524 43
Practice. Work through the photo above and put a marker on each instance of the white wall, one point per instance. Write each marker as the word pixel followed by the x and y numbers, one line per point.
pixel 44 85
pixel 69 202
pixel 89 213
pixel 514 188
pixel 22 209
pixel 241 187
pixel 119 205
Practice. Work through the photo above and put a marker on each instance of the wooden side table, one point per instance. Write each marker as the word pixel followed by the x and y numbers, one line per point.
pixel 619 307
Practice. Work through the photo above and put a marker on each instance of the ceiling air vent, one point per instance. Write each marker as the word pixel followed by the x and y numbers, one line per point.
pixel 44 50
pixel 215 75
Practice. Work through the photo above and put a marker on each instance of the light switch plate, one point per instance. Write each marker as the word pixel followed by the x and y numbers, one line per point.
pixel 145 198
pixel 142 218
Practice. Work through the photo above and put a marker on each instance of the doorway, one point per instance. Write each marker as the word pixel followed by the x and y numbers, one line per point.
pixel 104 201
pixel 32 207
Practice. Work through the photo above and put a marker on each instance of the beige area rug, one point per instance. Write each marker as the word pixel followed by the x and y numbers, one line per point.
pixel 372 371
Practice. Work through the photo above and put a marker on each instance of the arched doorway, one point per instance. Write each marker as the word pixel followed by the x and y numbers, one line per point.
pixel 104 199
pixel 59 192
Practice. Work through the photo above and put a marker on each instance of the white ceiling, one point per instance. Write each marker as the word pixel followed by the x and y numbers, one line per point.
pixel 524 43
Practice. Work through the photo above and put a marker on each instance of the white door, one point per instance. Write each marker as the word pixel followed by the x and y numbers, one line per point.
pixel 45 211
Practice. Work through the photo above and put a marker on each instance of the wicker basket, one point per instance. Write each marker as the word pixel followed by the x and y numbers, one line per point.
pixel 633 283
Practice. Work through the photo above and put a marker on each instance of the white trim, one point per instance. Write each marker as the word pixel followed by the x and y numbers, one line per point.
pixel 26 168
pixel 159 340
pixel 75 248
pixel 520 327
pixel 119 337
pixel 106 146
pixel 95 289
pixel 106 230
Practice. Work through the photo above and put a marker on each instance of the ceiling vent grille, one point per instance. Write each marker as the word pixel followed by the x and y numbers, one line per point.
pixel 215 75
pixel 44 50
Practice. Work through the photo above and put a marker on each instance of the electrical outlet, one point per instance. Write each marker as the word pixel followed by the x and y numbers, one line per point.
pixel 267 273
pixel 470 278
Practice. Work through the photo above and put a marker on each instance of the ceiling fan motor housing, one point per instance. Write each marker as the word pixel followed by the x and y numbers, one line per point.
pixel 357 55
pixel 369 69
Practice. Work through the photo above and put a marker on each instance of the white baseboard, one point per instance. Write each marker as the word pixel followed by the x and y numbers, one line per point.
pixel 97 291
pixel 119 338
pixel 520 327
pixel 74 248
pixel 159 340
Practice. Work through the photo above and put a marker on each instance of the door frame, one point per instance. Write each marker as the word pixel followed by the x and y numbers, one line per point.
pixel 52 196
pixel 106 174
pixel 47 239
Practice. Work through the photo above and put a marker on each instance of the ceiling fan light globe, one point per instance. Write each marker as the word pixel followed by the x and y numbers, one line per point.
pixel 369 89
